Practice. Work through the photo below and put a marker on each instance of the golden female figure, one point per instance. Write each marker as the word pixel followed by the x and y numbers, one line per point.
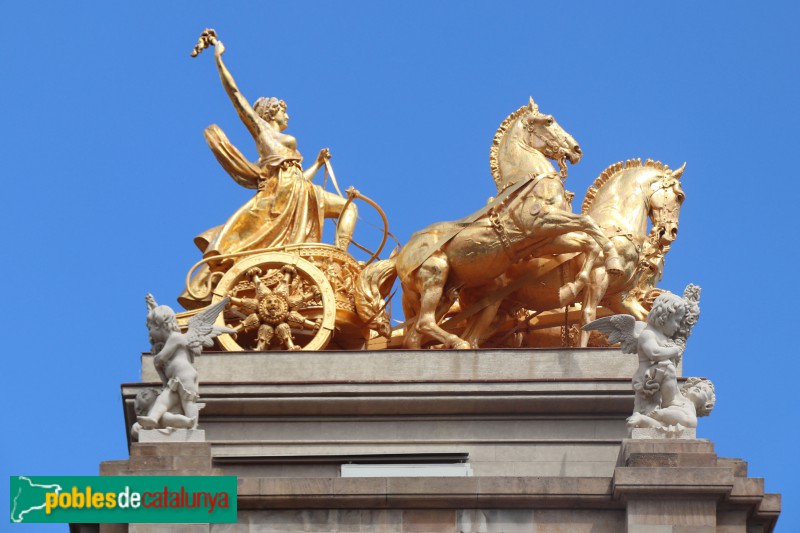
pixel 287 207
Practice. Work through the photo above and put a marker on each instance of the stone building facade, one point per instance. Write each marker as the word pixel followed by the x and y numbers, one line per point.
pixel 443 441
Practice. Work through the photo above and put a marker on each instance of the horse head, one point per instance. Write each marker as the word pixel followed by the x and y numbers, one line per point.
pixel 666 199
pixel 544 134
pixel 525 141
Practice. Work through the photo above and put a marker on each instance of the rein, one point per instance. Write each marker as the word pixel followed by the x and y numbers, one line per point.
pixel 551 150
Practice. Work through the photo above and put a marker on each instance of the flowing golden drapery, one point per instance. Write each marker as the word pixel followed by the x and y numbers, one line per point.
pixel 286 208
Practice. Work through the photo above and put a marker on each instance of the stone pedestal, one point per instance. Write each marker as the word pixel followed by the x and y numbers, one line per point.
pixel 664 433
pixel 542 432
pixel 172 435
pixel 178 458
pixel 681 486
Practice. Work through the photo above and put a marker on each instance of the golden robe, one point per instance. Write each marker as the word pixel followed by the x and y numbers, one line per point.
pixel 286 209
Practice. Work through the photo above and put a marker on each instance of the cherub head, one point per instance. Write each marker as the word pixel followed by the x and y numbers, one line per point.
pixel 161 322
pixel 144 401
pixel 701 393
pixel 667 313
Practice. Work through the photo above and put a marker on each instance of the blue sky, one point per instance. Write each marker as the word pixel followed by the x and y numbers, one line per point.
pixel 107 176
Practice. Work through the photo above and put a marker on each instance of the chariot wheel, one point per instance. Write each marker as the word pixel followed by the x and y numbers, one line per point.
pixel 278 301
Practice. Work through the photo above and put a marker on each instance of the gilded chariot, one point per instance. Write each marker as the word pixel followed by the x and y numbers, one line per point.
pixel 293 297
pixel 287 289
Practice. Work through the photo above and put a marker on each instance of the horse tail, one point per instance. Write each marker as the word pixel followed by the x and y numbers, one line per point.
pixel 371 287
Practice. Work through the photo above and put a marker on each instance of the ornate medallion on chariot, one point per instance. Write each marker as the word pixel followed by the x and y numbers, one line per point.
pixel 290 299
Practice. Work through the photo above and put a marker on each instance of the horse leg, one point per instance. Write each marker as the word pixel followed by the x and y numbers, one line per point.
pixel 445 304
pixel 613 262
pixel 574 242
pixel 413 338
pixel 627 306
pixel 477 325
pixel 482 323
pixel 598 284
pixel 433 276
pixel 568 293
pixel 565 222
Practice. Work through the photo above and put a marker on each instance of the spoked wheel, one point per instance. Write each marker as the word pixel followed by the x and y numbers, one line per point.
pixel 278 301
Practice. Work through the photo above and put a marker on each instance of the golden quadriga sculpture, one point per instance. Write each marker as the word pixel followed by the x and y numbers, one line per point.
pixel 480 281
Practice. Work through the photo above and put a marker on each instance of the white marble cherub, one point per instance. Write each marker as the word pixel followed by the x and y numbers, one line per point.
pixel 679 409
pixel 144 401
pixel 176 405
pixel 659 343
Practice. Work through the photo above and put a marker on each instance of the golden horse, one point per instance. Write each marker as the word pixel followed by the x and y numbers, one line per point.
pixel 621 200
pixel 530 215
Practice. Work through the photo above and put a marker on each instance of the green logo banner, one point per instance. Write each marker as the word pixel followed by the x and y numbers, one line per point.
pixel 123 499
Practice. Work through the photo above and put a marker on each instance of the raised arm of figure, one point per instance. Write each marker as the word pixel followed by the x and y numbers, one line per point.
pixel 650 347
pixel 243 107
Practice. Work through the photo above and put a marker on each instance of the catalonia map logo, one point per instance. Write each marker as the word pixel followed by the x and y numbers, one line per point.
pixel 123 499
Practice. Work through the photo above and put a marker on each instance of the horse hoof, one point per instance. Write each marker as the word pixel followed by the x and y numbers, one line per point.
pixel 462 345
pixel 614 266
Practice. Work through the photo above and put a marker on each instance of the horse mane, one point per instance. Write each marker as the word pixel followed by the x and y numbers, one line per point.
pixel 494 163
pixel 611 172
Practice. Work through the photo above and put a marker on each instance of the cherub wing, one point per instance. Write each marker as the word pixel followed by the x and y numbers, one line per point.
pixel 619 328
pixel 202 330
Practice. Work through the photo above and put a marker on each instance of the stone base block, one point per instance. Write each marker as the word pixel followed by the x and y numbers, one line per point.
pixel 172 435
pixel 406 365
pixel 663 433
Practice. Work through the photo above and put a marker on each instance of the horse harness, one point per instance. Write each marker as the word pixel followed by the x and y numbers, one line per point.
pixel 494 218
pixel 491 212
